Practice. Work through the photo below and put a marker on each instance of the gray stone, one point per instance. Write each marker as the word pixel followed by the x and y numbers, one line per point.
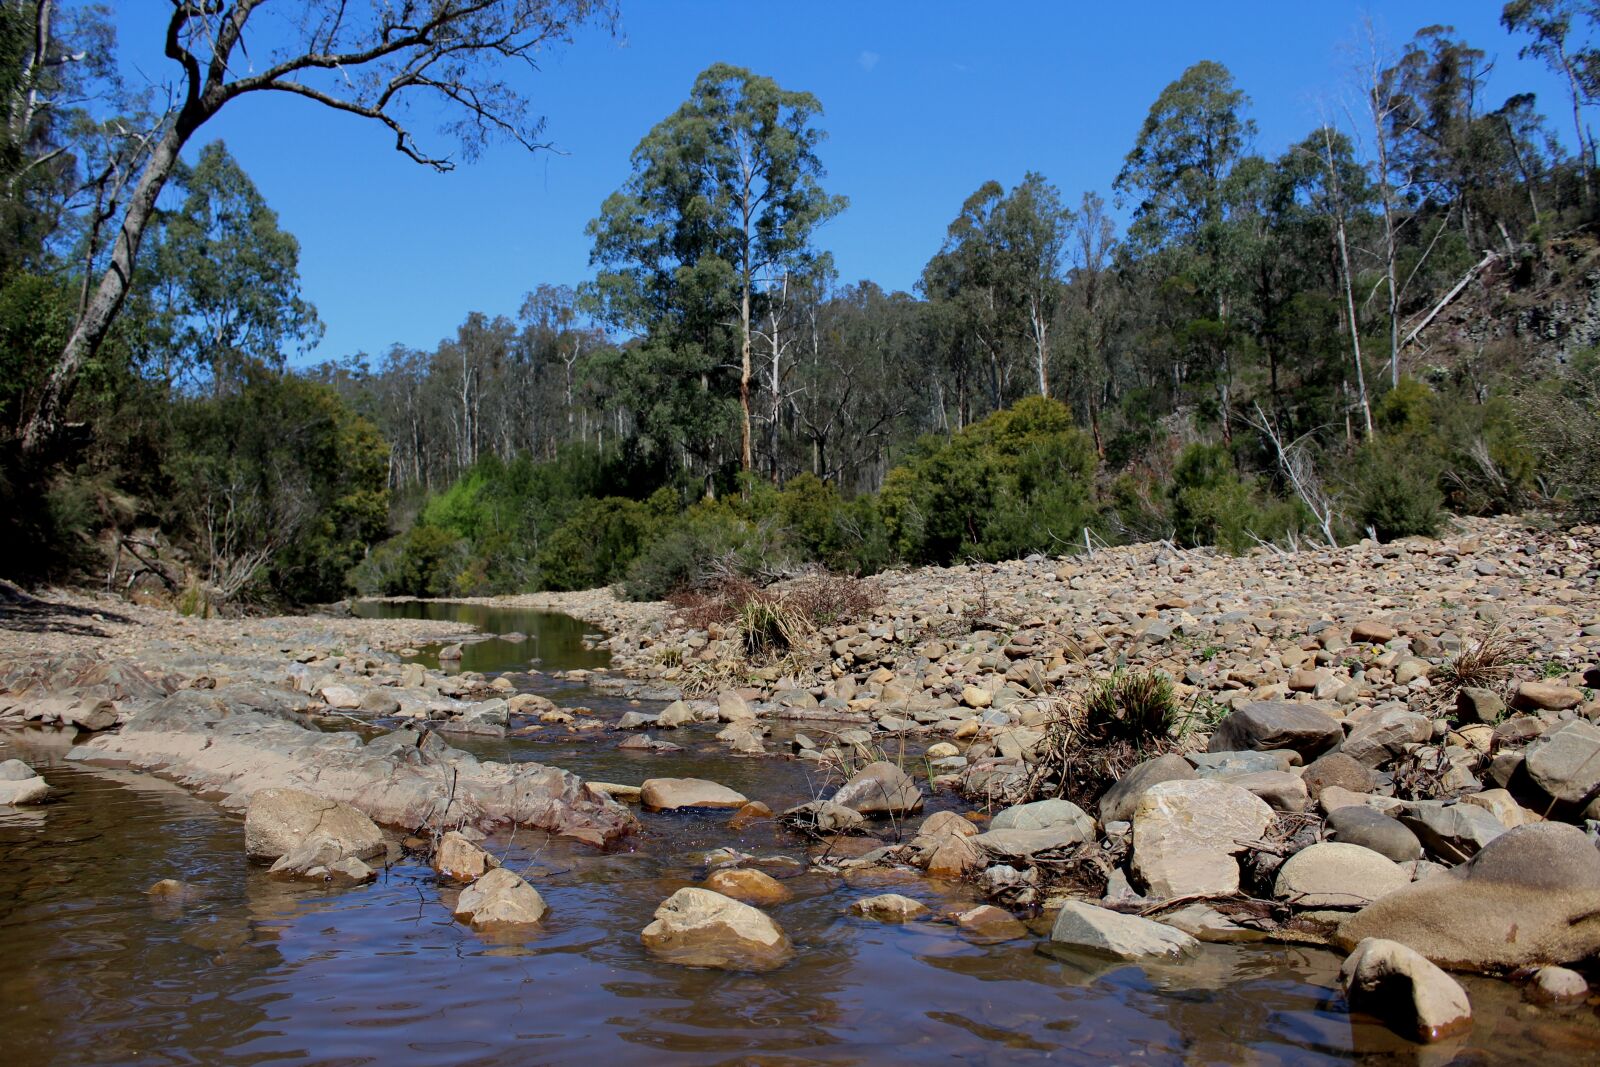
pixel 1337 769
pixel 1224 765
pixel 1044 814
pixel 1085 926
pixel 1379 738
pixel 1565 763
pixel 823 817
pixel 669 794
pixel 1453 832
pixel 1118 802
pixel 280 820
pixel 880 788
pixel 1024 844
pixel 14 770
pixel 1475 705
pixel 1358 824
pixel 889 907
pixel 1282 790
pixel 1271 725
pixel 1185 835
pixel 1333 874
pixel 500 898
pixel 700 928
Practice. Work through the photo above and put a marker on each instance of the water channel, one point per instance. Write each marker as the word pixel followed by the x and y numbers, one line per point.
pixel 253 970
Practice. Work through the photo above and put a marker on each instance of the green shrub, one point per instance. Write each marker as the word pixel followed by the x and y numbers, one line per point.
pixel 595 545
pixel 682 554
pixel 1213 505
pixel 1395 491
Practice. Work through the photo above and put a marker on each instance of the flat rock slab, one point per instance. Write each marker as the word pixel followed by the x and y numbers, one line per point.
pixel 1185 836
pixel 1272 725
pixel 1094 929
pixel 669 794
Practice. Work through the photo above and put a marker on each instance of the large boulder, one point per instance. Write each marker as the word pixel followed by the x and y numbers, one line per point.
pixel 1531 896
pixel 1118 802
pixel 1271 725
pixel 700 928
pixel 1186 834
pixel 1397 984
pixel 500 898
pixel 1453 832
pixel 1045 815
pixel 1332 874
pixel 1085 926
pixel 880 788
pixel 1357 824
pixel 669 794
pixel 280 820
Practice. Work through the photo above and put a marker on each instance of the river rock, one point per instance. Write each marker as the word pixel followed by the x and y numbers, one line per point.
pixel 1531 896
pixel 1377 739
pixel 731 707
pixel 987 924
pixel 460 858
pixel 636 720
pixel 214 743
pixel 1565 763
pixel 1044 814
pixel 1270 725
pixel 1084 926
pixel 1553 985
pixel 500 898
pixel 752 887
pixel 279 820
pixel 1118 802
pixel 700 928
pixel 880 788
pixel 1224 765
pixel 1185 836
pixel 669 794
pixel 1545 696
pixel 823 817
pixel 1358 824
pixel 321 858
pixel 20 784
pixel 1453 832
pixel 889 907
pixel 1280 789
pixel 1387 979
pixel 674 715
pixel 1476 705
pixel 1332 874
pixel 1373 632
pixel 1336 769
pixel 1025 844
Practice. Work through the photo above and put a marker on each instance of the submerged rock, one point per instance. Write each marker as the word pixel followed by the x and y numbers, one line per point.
pixel 1400 986
pixel 889 907
pixel 700 928
pixel 500 898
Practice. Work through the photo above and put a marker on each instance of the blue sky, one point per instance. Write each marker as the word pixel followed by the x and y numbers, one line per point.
pixel 923 102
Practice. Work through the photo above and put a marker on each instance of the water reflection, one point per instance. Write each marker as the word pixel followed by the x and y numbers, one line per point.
pixel 539 639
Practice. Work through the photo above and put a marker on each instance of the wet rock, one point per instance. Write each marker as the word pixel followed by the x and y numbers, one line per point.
pixel 987 925
pixel 1206 924
pixel 646 743
pixel 1565 763
pixel 1185 836
pixel 450 653
pixel 280 820
pixel 1094 929
pixel 1043 815
pixel 669 794
pixel 753 812
pixel 460 858
pixel 1025 844
pixel 1553 985
pixel 731 707
pixel 1360 825
pixel 752 887
pixel 823 817
pixel 403 778
pixel 170 889
pixel 1531 896
pixel 1118 802
pixel 1545 696
pixel 320 858
pixel 1380 738
pixel 1337 769
pixel 1272 725
pixel 889 907
pixel 500 898
pixel 675 715
pixel 636 720
pixel 20 784
pixel 880 788
pixel 700 928
pixel 1387 979
pixel 1334 874
pixel 1453 832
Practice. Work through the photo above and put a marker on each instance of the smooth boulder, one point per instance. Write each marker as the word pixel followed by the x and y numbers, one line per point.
pixel 1271 725
pixel 889 907
pixel 700 928
pixel 1119 801
pixel 880 788
pixel 1333 874
pixel 1357 824
pixel 1045 815
pixel 280 820
pixel 500 898
pixel 669 794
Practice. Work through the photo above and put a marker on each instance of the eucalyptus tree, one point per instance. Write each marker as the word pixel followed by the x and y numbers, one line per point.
pixel 723 202
pixel 368 60
pixel 1550 25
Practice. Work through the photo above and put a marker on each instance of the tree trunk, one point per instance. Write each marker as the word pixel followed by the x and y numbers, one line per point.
pixel 102 309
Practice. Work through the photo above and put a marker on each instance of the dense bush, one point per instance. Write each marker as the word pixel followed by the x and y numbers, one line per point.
pixel 1394 491
pixel 708 535
pixel 1213 505
pixel 595 545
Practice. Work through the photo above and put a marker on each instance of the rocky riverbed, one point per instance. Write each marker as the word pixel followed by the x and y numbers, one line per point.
pixel 1331 777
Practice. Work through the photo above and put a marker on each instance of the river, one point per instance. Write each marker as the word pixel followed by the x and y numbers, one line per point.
pixel 259 971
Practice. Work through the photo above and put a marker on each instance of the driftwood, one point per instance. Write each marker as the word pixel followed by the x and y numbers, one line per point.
pixel 1488 258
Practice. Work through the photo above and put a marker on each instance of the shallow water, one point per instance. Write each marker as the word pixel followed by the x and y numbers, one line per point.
pixel 257 971
pixel 551 641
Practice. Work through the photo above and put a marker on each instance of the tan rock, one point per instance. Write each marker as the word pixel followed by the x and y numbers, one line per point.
pixel 752 887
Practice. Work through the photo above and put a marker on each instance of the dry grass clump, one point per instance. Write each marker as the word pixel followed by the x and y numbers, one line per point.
pixel 775 621
pixel 1094 737
pixel 1487 663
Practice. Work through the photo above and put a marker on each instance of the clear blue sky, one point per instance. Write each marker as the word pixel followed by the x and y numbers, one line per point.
pixel 923 102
